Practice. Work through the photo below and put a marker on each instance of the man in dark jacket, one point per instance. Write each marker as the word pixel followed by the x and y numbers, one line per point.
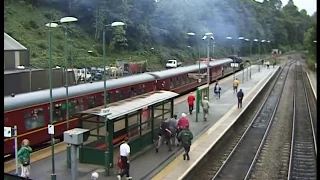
pixel 164 135
pixel 240 97
pixel 186 136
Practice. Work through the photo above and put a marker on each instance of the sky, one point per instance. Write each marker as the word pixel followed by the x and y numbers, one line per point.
pixel 309 5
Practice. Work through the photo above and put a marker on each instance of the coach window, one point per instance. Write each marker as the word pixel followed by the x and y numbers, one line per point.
pixel 171 83
pixel 76 106
pixel 58 112
pixel 93 102
pixel 34 118
pixel 107 98
pixel 132 92
pixel 119 95
pixel 143 89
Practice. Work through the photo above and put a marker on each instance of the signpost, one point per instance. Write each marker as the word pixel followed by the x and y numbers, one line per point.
pixel 8 131
pixel 202 91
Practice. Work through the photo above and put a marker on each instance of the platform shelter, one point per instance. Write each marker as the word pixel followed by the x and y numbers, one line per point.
pixel 137 118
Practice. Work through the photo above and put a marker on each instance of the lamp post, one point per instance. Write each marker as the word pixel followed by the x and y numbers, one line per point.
pixel 193 34
pixel 234 52
pixel 55 24
pixel 248 40
pixel 257 40
pixel 114 24
pixel 206 35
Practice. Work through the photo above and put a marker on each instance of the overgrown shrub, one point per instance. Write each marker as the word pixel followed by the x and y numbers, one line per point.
pixel 42 45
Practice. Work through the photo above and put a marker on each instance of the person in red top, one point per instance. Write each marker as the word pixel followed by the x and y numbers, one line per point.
pixel 191 99
pixel 183 122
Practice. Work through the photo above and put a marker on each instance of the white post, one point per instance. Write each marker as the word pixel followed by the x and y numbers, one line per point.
pixel 15 129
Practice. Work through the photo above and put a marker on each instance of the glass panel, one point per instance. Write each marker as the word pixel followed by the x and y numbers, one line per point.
pixel 145 128
pixel 158 111
pixel 167 105
pixel 119 125
pixel 34 118
pixel 134 131
pixel 167 115
pixel 133 119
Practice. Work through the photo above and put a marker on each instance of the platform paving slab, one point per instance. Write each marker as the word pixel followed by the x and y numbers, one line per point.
pixel 148 164
pixel 200 146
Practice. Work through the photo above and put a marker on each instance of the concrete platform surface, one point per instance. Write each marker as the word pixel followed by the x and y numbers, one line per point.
pixel 149 163
pixel 178 168
pixel 312 77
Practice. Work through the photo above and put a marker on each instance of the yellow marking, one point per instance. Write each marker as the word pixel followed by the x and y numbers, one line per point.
pixel 314 92
pixel 172 165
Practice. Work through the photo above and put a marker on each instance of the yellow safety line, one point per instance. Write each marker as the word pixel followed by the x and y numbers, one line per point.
pixel 314 92
pixel 166 170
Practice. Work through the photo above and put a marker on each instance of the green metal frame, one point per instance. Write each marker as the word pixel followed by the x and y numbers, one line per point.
pixel 138 142
pixel 200 93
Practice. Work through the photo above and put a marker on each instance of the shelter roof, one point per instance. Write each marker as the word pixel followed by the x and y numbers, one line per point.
pixel 11 44
pixel 133 104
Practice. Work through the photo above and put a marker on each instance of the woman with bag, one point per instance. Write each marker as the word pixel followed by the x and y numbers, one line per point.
pixel 24 158
pixel 217 90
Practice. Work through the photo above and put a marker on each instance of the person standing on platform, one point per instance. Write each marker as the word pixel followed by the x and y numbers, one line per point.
pixel 173 128
pixel 205 106
pixel 182 123
pixel 164 135
pixel 24 158
pixel 235 85
pixel 217 90
pixel 191 100
pixel 240 97
pixel 124 156
pixel 186 136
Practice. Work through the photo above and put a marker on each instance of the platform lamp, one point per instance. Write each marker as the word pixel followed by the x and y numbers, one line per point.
pixel 208 35
pixel 234 52
pixel 257 40
pixel 114 24
pixel 54 24
pixel 193 34
pixel 248 40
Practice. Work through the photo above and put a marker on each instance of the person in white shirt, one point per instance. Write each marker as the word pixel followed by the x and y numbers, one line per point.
pixel 124 155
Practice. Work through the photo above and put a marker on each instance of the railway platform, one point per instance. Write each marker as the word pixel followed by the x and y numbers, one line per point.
pixel 178 168
pixel 312 78
pixel 164 164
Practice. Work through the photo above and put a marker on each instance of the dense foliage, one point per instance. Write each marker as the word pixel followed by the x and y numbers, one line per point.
pixel 310 43
pixel 162 24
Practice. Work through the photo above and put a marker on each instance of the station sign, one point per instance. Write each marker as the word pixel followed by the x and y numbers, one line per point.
pixel 105 111
pixel 7 132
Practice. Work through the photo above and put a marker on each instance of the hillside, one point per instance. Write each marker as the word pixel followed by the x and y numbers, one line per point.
pixel 154 31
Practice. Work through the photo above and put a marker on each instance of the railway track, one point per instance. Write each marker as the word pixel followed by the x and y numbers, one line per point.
pixel 303 155
pixel 241 159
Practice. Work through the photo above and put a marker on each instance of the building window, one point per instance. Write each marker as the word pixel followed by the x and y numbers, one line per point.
pixel 34 118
